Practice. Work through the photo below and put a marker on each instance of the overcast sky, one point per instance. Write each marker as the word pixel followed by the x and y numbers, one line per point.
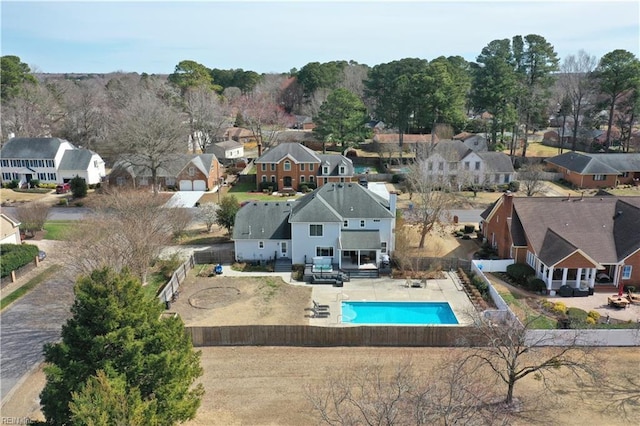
pixel 268 36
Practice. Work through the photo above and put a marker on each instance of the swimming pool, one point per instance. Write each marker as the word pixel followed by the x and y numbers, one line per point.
pixel 361 170
pixel 425 313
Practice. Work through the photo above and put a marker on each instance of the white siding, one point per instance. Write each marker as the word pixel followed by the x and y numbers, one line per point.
pixel 302 244
pixel 249 249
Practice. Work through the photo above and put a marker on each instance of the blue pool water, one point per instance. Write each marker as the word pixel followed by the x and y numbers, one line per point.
pixel 398 313
pixel 360 170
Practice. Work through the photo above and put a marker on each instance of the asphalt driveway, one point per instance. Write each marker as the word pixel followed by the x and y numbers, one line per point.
pixel 27 325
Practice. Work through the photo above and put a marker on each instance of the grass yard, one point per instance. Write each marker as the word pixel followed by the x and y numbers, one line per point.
pixel 58 229
pixel 11 196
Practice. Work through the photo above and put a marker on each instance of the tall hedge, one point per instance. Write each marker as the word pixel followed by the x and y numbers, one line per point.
pixel 14 256
pixel 519 272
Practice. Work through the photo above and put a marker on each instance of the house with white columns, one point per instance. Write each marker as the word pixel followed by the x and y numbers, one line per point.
pixel 583 242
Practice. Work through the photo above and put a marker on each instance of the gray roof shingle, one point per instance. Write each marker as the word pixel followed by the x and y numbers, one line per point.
pixel 299 153
pixel 31 148
pixel 582 163
pixel 497 162
pixel 263 220
pixel 76 159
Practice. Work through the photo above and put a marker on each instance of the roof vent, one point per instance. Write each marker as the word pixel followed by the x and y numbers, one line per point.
pixel 618 214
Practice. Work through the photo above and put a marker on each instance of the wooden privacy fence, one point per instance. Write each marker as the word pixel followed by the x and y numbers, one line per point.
pixel 445 263
pixel 171 287
pixel 307 335
pixel 212 257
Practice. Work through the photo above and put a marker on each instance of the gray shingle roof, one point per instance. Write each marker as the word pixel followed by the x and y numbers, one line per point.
pixel 497 162
pixel 335 202
pixel 136 165
pixel 582 163
pixel 629 162
pixel 263 220
pixel 360 240
pixel 452 150
pixel 334 162
pixel 299 153
pixel 31 148
pixel 75 159
pixel 591 224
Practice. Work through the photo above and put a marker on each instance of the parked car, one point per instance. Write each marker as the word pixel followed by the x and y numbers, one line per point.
pixel 63 188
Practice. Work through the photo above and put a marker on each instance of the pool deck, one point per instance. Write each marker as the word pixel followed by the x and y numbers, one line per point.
pixel 390 290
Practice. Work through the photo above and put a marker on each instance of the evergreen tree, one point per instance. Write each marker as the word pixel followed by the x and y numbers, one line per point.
pixel 342 117
pixel 78 187
pixel 116 328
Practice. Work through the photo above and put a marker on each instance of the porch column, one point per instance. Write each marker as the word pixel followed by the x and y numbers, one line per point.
pixel 550 277
pixel 592 277
pixel 578 277
pixel 565 271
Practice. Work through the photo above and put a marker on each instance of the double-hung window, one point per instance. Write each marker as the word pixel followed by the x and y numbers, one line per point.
pixel 626 272
pixel 315 230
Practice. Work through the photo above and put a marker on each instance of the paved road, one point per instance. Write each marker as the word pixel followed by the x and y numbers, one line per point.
pixel 58 213
pixel 467 216
pixel 27 325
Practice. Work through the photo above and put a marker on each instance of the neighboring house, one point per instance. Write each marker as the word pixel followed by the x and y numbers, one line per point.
pixel 376 126
pixel 238 134
pixel 303 122
pixel 288 166
pixel 342 223
pixel 227 152
pixel 49 160
pixel 473 141
pixel 582 241
pixel 454 163
pixel 9 230
pixel 188 172
pixel 597 170
pixel 410 143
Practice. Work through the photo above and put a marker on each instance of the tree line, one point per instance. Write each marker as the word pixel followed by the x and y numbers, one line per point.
pixel 517 84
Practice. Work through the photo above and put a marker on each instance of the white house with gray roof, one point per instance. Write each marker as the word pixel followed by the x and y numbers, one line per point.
pixel 454 163
pixel 344 224
pixel 226 151
pixel 49 160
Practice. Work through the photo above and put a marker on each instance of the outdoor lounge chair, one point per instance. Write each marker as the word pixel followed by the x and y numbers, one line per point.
pixel 633 298
pixel 318 306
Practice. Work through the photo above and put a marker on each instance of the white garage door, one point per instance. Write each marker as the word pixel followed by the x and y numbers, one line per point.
pixel 186 185
pixel 199 185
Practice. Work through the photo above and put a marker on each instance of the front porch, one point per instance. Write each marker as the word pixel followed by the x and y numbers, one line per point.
pixel 587 278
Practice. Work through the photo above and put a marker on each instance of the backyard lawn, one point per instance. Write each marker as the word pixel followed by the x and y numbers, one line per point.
pixel 58 229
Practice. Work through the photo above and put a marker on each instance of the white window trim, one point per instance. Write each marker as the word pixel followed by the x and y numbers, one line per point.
pixel 626 272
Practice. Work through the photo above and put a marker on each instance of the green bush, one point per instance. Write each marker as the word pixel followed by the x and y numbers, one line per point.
pixel 577 315
pixel 271 186
pixel 514 186
pixel 560 308
pixel 468 229
pixel 594 314
pixel 398 178
pixel 14 256
pixel 480 284
pixel 13 184
pixel 519 272
pixel 535 284
pixel 168 266
pixel 78 187
pixel 34 183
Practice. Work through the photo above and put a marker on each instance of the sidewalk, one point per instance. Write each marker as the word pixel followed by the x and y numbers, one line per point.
pixel 53 257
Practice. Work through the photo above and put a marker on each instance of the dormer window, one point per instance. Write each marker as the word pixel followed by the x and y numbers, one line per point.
pixel 342 170
pixel 287 166
pixel 325 170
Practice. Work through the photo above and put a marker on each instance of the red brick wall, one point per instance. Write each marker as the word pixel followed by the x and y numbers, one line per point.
pixel 586 181
pixel 498 225
pixel 576 260
pixel 280 173
pixel 634 261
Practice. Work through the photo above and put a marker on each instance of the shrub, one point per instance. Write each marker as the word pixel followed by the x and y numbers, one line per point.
pixel 629 288
pixel 577 315
pixel 594 315
pixel 480 284
pixel 591 321
pixel 535 284
pixel 560 308
pixel 14 256
pixel 34 183
pixel 468 229
pixel 547 305
pixel 514 186
pixel 168 266
pixel 397 178
pixel 78 187
pixel 519 272
pixel 13 184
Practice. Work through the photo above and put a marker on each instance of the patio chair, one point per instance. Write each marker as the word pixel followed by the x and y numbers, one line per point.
pixel 318 306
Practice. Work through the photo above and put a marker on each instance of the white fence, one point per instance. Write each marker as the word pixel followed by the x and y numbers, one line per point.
pixel 608 337
pixel 171 287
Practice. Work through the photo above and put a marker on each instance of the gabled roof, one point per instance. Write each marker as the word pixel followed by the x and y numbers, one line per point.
pixel 228 144
pixel 76 159
pixel 334 161
pixel 135 165
pixel 32 148
pixel 603 228
pixel 629 162
pixel 497 162
pixel 336 202
pixel 582 163
pixel 263 220
pixel 298 153
pixel 395 138
pixel 452 150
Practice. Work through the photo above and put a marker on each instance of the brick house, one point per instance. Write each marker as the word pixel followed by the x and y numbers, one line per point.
pixel 581 242
pixel 288 166
pixel 597 170
pixel 186 172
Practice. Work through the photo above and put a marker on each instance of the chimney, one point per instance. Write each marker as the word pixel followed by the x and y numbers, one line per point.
pixel 508 204
pixel 393 198
pixel 259 150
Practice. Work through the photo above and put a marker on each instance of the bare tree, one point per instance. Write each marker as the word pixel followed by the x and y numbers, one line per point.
pixel 207 213
pixel 380 394
pixel 85 119
pixel 531 178
pixel 32 216
pixel 127 230
pixel 208 115
pixel 577 86
pixel 179 220
pixel 148 134
pixel 513 351
pixel 353 77
pixel 33 113
pixel 430 200
pixel 263 117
